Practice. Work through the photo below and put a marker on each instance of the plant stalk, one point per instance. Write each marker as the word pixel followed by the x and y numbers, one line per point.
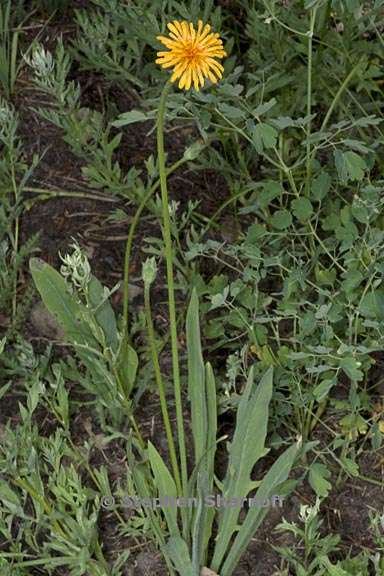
pixel 171 287
pixel 309 100
pixel 128 247
pixel 161 388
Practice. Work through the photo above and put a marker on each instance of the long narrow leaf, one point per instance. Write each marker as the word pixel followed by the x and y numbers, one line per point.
pixel 210 453
pixel 126 364
pixel 277 474
pixel 139 476
pixel 196 379
pixel 211 421
pixel 104 314
pixel 177 550
pixel 198 534
pixel 245 450
pixel 166 488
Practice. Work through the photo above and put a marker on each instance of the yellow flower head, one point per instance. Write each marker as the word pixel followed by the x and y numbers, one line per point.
pixel 192 54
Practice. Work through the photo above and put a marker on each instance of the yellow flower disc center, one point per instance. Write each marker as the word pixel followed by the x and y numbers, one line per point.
pixel 193 53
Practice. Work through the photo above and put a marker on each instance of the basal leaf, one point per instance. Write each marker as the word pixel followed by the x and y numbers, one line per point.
pixel 196 379
pixel 166 488
pixel 245 450
pixel 271 485
pixel 177 550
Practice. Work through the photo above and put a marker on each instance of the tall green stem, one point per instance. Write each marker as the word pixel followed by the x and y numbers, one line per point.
pixel 128 248
pixel 161 388
pixel 338 94
pixel 309 98
pixel 15 241
pixel 171 287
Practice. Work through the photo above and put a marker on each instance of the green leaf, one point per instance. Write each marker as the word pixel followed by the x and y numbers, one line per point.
pixel 246 449
pixel 218 300
pixel 308 4
pixel 199 542
pixel 273 483
pixel 104 314
pixel 347 234
pixel 130 117
pixel 254 233
pixel 209 459
pixel 325 277
pixel 351 367
pixel 349 465
pixel 281 219
pixel 322 390
pixel 10 499
pixel 302 209
pixel 318 475
pixel 140 479
pixel 349 165
pixel 360 212
pixel 356 145
pixel 177 550
pixel 283 122
pixel 196 379
pixel 166 487
pixel 332 569
pixel 270 191
pixel 211 421
pixel 127 364
pixel 372 305
pixel 321 185
pixel 231 111
pixel 366 121
pixel 264 136
pixel 193 151
pixel 263 108
pixel 4 389
pixel 353 279
pixel 59 302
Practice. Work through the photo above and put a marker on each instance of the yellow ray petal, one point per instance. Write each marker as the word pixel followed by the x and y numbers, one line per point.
pixel 195 79
pixel 188 80
pixel 174 29
pixel 213 64
pixel 179 69
pixel 179 27
pixel 182 80
pixel 166 64
pixel 200 75
pixel 205 32
pixel 209 40
pixel 212 78
pixel 168 42
pixel 200 26
pixel 185 27
pixel 192 32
